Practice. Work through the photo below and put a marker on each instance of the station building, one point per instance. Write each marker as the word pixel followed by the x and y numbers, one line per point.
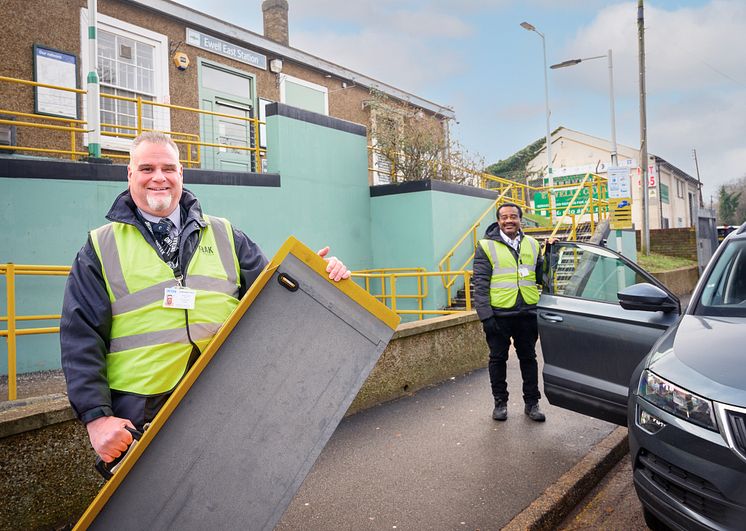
pixel 157 58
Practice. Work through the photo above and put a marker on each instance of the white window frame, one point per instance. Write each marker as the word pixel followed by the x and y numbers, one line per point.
pixel 680 188
pixel 161 115
pixel 381 164
pixel 307 84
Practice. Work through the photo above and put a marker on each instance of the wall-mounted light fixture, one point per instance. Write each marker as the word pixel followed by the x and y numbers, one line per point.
pixel 275 66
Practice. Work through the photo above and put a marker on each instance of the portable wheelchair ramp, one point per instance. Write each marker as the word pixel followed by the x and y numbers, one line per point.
pixel 234 442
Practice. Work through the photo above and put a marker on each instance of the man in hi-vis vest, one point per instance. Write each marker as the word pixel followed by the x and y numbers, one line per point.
pixel 507 268
pixel 147 293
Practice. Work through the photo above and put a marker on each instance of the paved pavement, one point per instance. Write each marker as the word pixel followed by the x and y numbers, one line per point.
pixel 437 460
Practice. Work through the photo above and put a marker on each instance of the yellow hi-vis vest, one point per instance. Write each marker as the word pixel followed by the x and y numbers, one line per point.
pixel 506 281
pixel 149 344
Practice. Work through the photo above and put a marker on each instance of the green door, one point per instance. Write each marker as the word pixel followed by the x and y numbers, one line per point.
pixel 230 93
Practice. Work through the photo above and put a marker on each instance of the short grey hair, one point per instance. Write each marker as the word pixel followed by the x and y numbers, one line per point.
pixel 152 137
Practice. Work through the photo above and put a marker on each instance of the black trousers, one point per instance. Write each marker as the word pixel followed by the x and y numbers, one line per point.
pixel 524 331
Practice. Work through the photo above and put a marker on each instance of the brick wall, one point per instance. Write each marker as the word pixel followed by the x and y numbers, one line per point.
pixel 681 242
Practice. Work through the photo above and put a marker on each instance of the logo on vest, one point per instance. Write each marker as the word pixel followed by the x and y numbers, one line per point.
pixel 207 249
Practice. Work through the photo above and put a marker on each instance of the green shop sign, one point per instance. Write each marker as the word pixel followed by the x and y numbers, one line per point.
pixel 664 193
pixel 563 197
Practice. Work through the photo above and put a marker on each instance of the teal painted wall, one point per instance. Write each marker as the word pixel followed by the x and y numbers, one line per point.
pixel 325 193
pixel 416 229
pixel 324 199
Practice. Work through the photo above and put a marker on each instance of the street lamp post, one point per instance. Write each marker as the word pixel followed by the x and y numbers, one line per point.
pixel 573 62
pixel 530 27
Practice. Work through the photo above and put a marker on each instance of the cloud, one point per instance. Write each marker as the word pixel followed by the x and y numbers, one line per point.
pixel 695 80
pixel 410 45
pixel 396 59
pixel 686 48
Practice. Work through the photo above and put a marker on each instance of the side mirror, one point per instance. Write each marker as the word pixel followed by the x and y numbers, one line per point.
pixel 647 298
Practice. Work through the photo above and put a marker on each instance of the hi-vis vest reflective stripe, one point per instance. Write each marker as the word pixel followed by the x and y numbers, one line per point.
pixel 506 281
pixel 150 347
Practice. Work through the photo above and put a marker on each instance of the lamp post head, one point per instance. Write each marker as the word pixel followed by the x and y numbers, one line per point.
pixel 563 64
pixel 527 26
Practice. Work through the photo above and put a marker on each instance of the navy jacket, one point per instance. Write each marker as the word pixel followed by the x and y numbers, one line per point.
pixel 86 314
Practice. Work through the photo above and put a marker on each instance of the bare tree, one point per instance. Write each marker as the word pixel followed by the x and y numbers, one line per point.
pixel 416 144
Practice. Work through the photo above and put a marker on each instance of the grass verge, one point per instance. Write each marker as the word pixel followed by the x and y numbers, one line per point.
pixel 655 263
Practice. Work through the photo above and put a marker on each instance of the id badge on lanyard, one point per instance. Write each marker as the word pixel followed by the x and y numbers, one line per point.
pixel 179 297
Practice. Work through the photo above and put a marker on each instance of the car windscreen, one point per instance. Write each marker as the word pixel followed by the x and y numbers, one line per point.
pixel 724 293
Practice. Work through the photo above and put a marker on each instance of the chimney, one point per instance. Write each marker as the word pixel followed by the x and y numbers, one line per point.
pixel 276 20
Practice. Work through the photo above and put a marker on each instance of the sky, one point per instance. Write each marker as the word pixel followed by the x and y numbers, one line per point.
pixel 473 56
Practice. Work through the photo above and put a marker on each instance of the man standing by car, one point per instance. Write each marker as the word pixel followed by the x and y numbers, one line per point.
pixel 507 268
pixel 147 293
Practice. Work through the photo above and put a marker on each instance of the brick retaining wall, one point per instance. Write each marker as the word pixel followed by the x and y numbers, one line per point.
pixel 680 242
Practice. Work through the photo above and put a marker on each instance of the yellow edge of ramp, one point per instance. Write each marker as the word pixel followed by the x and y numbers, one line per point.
pixel 291 247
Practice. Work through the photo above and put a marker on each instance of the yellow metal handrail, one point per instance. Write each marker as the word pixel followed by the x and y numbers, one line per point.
pixel 445 262
pixel 139 102
pixel 76 126
pixel 12 332
pixel 598 206
pixel 390 295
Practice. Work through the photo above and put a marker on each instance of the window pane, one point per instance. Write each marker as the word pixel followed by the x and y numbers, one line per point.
pixel 305 97
pixel 126 68
pixel 106 43
pixel 592 274
pixel 724 293
pixel 125 50
pixel 226 82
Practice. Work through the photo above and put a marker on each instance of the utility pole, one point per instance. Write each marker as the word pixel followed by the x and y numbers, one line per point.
pixel 643 129
pixel 613 114
pixel 699 182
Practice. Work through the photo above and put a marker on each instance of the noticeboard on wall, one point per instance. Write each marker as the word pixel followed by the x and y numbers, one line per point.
pixel 55 67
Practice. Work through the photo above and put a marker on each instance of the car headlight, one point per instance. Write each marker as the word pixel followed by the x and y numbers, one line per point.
pixel 677 401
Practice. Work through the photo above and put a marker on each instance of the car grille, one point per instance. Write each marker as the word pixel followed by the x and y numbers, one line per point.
pixel 737 423
pixel 690 490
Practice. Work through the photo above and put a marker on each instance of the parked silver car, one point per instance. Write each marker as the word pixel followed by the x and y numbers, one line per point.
pixel 617 347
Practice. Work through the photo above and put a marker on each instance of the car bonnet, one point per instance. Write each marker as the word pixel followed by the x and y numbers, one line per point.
pixel 705 355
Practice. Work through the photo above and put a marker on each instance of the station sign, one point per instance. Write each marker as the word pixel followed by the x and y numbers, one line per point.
pixel 225 48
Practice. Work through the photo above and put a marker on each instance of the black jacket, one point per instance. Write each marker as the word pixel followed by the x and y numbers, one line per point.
pixel 86 314
pixel 483 274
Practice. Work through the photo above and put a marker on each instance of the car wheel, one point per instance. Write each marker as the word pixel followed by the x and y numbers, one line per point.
pixel 652 521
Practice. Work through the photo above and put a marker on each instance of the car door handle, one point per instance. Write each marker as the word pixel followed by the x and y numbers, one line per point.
pixel 551 317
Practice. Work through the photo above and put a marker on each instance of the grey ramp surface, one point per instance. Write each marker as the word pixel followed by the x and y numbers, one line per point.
pixel 238 446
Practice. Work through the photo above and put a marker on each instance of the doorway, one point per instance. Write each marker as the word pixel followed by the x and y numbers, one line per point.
pixel 231 93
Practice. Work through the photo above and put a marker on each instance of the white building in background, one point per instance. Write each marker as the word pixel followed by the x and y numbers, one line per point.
pixel 674 195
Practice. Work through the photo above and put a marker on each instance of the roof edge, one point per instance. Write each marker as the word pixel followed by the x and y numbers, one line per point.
pixel 217 26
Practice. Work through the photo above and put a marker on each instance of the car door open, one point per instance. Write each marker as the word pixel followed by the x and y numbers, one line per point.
pixel 590 343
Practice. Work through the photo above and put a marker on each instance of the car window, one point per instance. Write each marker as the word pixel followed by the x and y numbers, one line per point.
pixel 591 273
pixel 724 293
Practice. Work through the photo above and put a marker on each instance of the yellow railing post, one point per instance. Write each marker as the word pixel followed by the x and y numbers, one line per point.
pixel 419 296
pixel 392 279
pixel 255 125
pixel 10 291
pixel 467 289
pixel 72 141
pixel 139 115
